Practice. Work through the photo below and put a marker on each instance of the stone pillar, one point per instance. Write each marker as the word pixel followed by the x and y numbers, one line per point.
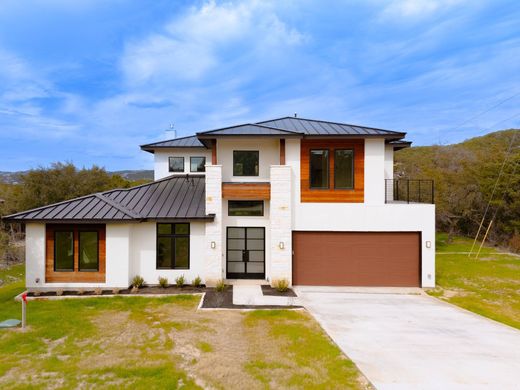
pixel 281 224
pixel 213 267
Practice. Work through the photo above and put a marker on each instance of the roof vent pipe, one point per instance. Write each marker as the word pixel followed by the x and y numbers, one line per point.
pixel 295 114
pixel 170 133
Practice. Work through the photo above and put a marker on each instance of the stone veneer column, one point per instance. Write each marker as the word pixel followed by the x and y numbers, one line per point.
pixel 281 223
pixel 213 260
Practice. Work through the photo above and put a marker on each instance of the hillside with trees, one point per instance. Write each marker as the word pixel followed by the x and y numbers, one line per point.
pixel 465 175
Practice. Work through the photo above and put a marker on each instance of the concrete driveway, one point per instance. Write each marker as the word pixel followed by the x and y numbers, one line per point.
pixel 413 341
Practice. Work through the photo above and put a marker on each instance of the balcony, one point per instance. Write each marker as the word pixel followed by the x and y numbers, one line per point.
pixel 409 191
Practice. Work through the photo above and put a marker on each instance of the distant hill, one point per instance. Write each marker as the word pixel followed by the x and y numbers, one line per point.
pixel 133 175
pixel 465 174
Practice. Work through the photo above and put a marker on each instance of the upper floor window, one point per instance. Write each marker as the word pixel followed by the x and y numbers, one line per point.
pixel 176 164
pixel 245 162
pixel 197 164
pixel 246 208
pixel 344 168
pixel 173 246
pixel 319 168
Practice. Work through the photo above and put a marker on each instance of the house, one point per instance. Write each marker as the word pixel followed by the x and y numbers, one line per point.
pixel 310 201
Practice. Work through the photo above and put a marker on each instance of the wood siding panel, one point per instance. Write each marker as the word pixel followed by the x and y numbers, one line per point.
pixel 246 191
pixel 385 259
pixel 76 276
pixel 356 195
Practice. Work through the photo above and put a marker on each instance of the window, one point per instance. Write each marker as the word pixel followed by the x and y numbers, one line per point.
pixel 63 251
pixel 88 251
pixel 197 164
pixel 344 168
pixel 176 164
pixel 245 162
pixel 245 208
pixel 173 246
pixel 319 168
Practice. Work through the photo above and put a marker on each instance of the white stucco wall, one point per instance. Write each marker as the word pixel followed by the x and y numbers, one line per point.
pixel 389 162
pixel 143 254
pixel 269 154
pixel 374 171
pixel 161 160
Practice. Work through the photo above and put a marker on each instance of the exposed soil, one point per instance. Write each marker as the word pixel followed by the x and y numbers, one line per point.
pixel 268 290
pixel 145 290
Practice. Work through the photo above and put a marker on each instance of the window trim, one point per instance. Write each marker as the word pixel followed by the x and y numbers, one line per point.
pixel 79 250
pixel 249 151
pixel 353 176
pixel 172 237
pixel 170 166
pixel 73 250
pixel 253 216
pixel 192 157
pixel 328 170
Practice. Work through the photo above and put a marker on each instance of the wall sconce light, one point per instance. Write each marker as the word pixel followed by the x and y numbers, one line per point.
pixel 37 280
pixel 281 245
pixel 213 244
pixel 428 244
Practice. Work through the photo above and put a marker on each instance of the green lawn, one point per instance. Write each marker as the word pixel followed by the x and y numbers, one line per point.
pixel 147 343
pixel 489 286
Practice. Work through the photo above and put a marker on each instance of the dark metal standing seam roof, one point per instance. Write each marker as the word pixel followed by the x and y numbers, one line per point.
pixel 172 198
pixel 249 129
pixel 184 142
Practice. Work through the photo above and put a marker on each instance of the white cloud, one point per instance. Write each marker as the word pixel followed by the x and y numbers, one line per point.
pixel 416 9
pixel 198 41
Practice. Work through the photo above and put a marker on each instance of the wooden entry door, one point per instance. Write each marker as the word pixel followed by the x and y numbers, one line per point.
pixel 245 253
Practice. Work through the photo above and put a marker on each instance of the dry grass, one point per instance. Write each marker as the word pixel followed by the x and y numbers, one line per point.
pixel 166 343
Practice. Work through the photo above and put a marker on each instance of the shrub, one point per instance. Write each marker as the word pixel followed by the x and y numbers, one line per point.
pixel 281 285
pixel 137 282
pixel 179 281
pixel 115 291
pixel 514 243
pixel 221 286
pixel 81 291
pixel 59 292
pixel 163 282
pixel 36 293
pixel 98 291
pixel 197 281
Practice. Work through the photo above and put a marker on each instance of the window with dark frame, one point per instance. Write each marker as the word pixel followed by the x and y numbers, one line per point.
pixel 64 251
pixel 173 246
pixel 197 164
pixel 246 208
pixel 344 169
pixel 319 168
pixel 245 162
pixel 88 251
pixel 176 164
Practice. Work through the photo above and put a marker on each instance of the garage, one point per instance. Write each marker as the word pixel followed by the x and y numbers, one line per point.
pixel 386 259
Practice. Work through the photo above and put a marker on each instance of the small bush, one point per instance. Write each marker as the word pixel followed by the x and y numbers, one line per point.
pixel 197 281
pixel 115 291
pixel 98 291
pixel 163 282
pixel 59 292
pixel 281 285
pixel 36 293
pixel 179 281
pixel 221 286
pixel 137 282
pixel 81 291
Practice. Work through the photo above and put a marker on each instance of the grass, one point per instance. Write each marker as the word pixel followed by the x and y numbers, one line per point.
pixel 139 342
pixel 489 286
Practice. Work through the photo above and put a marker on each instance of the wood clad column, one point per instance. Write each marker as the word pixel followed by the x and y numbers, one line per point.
pixel 282 151
pixel 214 152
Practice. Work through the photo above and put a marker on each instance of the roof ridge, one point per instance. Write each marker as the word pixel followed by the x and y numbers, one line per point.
pixel 335 123
pixel 118 206
pixel 150 183
pixel 276 128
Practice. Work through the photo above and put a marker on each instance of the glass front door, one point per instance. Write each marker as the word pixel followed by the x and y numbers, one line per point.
pixel 245 253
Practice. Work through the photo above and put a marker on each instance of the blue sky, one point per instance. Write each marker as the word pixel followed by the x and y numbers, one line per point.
pixel 88 81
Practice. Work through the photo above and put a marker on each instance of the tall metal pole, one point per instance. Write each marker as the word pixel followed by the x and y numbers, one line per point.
pixel 24 309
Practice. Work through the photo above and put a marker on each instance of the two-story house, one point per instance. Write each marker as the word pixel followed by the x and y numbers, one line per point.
pixel 310 201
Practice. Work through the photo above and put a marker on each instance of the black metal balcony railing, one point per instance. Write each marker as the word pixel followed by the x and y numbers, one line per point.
pixel 409 191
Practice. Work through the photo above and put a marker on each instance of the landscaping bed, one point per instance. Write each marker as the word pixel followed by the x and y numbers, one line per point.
pixel 268 290
pixel 214 299
pixel 145 290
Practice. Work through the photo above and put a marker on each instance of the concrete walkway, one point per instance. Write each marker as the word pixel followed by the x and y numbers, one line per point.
pixel 249 294
pixel 413 341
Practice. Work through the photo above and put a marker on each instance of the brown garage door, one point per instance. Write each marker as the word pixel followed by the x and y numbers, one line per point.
pixel 356 259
